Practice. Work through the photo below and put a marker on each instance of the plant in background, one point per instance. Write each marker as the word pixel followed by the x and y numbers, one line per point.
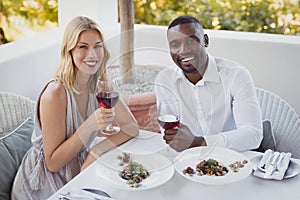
pixel 26 16
pixel 272 16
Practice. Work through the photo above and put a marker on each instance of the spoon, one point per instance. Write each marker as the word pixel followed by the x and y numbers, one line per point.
pixel 262 168
pixel 264 160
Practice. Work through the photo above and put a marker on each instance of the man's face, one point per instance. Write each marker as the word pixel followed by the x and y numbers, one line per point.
pixel 186 49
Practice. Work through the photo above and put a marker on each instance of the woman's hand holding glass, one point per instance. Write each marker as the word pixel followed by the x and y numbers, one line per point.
pixel 107 98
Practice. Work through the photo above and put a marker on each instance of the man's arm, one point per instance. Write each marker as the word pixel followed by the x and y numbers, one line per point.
pixel 247 116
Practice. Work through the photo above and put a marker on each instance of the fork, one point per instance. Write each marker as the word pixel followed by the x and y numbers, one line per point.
pixel 69 196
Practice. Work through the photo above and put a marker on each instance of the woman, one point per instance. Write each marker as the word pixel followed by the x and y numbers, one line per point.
pixel 68 117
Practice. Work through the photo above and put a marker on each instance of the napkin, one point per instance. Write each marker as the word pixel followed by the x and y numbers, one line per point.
pixel 280 166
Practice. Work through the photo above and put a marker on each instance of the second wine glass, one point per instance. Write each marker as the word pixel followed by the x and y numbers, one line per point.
pixel 168 115
pixel 107 98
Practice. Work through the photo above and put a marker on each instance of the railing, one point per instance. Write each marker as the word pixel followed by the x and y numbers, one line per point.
pixel 273 60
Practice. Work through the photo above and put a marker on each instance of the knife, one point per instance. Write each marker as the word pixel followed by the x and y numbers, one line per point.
pixel 98 192
pixel 270 169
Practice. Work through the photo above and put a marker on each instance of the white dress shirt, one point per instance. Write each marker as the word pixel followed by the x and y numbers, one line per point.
pixel 222 107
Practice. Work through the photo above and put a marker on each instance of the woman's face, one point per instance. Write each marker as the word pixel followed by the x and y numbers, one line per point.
pixel 88 53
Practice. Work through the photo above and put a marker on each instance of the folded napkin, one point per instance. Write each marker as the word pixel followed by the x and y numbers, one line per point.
pixel 281 162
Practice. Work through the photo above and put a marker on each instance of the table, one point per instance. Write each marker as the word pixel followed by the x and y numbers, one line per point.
pixel 179 188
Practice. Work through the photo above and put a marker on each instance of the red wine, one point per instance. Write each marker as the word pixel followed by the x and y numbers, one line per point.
pixel 168 121
pixel 107 99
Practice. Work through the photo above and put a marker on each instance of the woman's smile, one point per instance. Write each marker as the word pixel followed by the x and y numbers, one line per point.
pixel 91 63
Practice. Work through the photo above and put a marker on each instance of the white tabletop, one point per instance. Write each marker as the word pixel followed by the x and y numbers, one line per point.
pixel 179 188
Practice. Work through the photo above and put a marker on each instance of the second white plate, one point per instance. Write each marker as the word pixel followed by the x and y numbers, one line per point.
pixel 191 157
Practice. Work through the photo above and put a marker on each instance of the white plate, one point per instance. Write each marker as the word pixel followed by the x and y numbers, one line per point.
pixel 293 169
pixel 191 157
pixel 160 168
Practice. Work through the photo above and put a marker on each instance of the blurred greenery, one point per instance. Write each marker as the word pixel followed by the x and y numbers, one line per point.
pixel 25 18
pixel 264 16
pixel 28 17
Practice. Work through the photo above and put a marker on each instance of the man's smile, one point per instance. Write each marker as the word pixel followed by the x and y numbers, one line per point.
pixel 186 59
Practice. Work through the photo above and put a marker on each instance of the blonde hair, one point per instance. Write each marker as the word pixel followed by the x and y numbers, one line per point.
pixel 66 70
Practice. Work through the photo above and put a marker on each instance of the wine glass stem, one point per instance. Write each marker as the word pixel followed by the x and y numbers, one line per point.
pixel 109 126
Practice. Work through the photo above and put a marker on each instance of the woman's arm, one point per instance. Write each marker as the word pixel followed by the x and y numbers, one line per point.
pixel 53 110
pixel 58 149
pixel 129 129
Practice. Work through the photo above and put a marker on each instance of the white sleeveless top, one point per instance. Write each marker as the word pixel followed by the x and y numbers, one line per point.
pixel 33 180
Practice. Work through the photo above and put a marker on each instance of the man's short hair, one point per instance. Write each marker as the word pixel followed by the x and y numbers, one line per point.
pixel 184 20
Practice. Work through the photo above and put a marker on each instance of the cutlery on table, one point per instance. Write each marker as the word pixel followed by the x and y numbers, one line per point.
pixel 266 157
pixel 281 156
pixel 265 160
pixel 86 195
pixel 69 196
pixel 271 167
pixel 97 191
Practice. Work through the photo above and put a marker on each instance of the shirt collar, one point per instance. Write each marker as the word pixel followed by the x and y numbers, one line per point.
pixel 211 74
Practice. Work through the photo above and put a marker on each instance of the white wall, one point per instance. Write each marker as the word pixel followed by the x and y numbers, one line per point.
pixel 273 60
pixel 26 65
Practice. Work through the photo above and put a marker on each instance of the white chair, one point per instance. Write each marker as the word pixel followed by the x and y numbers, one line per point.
pixel 284 120
pixel 14 109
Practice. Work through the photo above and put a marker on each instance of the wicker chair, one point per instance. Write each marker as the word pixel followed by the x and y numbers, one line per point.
pixel 284 120
pixel 14 109
pixel 16 128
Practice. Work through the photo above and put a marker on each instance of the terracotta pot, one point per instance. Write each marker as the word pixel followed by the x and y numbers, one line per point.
pixel 143 107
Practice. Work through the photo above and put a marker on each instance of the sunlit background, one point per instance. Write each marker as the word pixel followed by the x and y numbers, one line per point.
pixel 25 18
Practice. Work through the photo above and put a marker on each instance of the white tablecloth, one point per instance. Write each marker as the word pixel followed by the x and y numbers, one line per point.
pixel 179 188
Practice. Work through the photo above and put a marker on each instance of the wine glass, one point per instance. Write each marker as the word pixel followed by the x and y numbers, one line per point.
pixel 107 98
pixel 168 117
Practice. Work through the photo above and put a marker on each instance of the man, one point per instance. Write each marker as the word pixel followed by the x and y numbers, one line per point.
pixel 217 97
